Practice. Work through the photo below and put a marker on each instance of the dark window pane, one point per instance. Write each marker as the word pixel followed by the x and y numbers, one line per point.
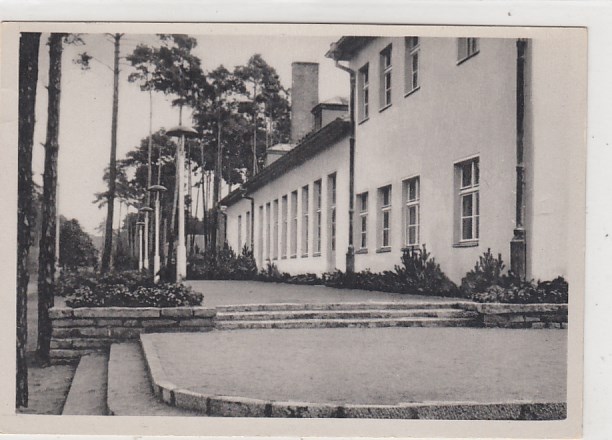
pixel 467 229
pixel 467 208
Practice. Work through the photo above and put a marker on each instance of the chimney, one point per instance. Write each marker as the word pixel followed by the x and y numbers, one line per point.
pixel 304 97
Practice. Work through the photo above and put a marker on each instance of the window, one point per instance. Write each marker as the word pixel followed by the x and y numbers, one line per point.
pixel 317 217
pixel 268 231
pixel 260 231
pixel 364 92
pixel 362 200
pixel 384 197
pixel 331 185
pixel 275 232
pixel 385 77
pixel 248 230
pixel 469 200
pixel 294 224
pixel 284 230
pixel 466 48
pixel 305 221
pixel 411 211
pixel 239 232
pixel 412 64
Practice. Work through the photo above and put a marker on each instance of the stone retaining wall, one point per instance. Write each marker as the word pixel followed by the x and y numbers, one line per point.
pixel 79 331
pixel 521 315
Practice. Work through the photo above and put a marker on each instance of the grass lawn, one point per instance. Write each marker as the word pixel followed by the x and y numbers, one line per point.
pixel 371 366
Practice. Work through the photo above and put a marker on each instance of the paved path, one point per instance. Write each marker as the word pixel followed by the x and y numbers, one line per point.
pixel 129 389
pixel 87 395
pixel 370 366
pixel 220 293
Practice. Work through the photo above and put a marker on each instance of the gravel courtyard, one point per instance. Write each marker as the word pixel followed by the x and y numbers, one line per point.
pixel 370 366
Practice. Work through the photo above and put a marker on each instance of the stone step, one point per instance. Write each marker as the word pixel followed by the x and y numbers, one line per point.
pixel 87 395
pixel 342 306
pixel 342 314
pixel 349 323
pixel 129 389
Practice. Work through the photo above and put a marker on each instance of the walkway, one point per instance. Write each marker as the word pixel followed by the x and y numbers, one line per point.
pixel 369 366
pixel 221 293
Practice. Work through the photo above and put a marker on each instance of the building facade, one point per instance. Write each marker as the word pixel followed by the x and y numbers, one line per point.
pixel 460 145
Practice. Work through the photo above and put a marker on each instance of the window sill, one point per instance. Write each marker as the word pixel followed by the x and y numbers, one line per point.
pixel 463 60
pixel 416 89
pixel 274 259
pixel 293 256
pixel 466 244
pixel 316 254
pixel 363 120
pixel 411 247
pixel 383 250
pixel 382 109
pixel 304 255
pixel 284 257
pixel 361 251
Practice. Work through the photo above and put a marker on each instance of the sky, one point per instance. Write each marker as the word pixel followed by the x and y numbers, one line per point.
pixel 86 105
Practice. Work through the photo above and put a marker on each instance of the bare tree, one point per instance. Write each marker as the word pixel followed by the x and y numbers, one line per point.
pixel 28 76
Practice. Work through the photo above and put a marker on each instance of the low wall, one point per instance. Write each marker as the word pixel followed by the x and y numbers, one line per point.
pixel 520 315
pixel 79 331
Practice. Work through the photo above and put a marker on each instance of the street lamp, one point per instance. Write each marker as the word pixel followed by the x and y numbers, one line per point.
pixel 157 189
pixel 146 210
pixel 140 225
pixel 181 132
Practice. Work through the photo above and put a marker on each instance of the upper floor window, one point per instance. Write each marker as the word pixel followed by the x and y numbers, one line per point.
pixel 385 77
pixel 412 64
pixel 466 48
pixel 364 92
pixel 411 213
pixel 469 200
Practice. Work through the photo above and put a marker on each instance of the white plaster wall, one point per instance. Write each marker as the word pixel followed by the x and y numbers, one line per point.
pixel 332 160
pixel 459 111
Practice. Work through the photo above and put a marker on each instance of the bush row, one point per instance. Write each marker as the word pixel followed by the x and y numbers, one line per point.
pixel 418 274
pixel 123 289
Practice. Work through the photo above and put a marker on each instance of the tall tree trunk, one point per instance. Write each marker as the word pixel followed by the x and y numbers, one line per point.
pixel 217 191
pixel 29 44
pixel 112 175
pixel 46 259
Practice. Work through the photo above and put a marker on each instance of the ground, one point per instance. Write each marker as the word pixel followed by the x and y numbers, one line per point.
pixel 370 365
pixel 220 293
pixel 48 387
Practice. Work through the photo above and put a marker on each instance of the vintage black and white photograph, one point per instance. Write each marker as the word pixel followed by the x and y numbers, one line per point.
pixel 300 222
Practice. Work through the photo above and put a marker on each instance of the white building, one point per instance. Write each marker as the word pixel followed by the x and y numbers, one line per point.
pixel 460 144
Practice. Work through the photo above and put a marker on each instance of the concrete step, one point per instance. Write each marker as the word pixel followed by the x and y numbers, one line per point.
pixel 87 395
pixel 457 304
pixel 352 323
pixel 129 389
pixel 343 314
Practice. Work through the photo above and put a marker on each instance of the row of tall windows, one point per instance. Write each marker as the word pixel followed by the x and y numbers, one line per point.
pixel 467 214
pixel 466 48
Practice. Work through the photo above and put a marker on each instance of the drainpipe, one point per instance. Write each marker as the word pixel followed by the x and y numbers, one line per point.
pixel 518 245
pixel 350 253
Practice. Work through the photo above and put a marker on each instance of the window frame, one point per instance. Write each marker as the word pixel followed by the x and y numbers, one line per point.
pixel 275 210
pixel 467 47
pixel 284 226
pixel 268 231
pixel 412 75
pixel 469 191
pixel 239 226
pixel 409 204
pixel 385 210
pixel 364 92
pixel 305 220
pixel 386 77
pixel 332 193
pixel 363 221
pixel 318 214
pixel 294 224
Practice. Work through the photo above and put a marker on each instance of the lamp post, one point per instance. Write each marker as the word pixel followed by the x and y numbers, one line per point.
pixel 140 225
pixel 147 210
pixel 181 132
pixel 157 189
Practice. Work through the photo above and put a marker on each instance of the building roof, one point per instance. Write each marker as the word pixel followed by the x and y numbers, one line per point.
pixel 335 103
pixel 308 147
pixel 346 47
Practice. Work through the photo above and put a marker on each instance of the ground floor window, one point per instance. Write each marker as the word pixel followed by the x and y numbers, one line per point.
pixel 384 203
pixel 411 211
pixel 468 176
pixel 362 204
pixel 317 217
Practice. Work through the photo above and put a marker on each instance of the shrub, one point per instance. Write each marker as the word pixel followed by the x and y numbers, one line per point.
pixel 421 275
pixel 226 265
pixel 272 274
pixel 487 272
pixel 119 295
pixel 526 292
